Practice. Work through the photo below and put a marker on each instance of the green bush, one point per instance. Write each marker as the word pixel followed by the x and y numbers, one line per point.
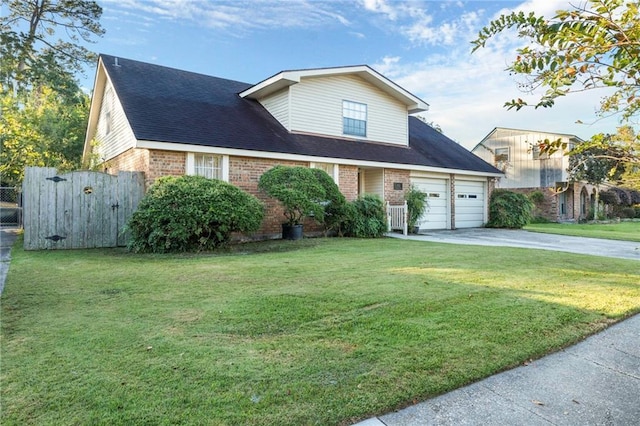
pixel 536 197
pixel 366 218
pixel 298 190
pixel 509 209
pixel 627 213
pixel 416 203
pixel 192 213
pixel 335 204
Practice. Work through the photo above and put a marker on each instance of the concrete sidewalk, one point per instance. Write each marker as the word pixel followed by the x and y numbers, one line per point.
pixel 7 238
pixel 596 382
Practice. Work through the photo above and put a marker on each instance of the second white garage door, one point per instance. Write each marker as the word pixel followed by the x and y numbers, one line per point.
pixel 470 203
pixel 437 212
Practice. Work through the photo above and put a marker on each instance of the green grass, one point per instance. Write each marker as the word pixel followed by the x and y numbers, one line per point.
pixel 321 331
pixel 625 231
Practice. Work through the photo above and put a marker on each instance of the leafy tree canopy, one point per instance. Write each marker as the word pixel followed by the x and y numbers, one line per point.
pixel 594 45
pixel 41 42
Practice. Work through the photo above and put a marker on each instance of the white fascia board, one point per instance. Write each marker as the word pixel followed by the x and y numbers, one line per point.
pixel 167 146
pixel 288 78
pixel 94 108
pixel 270 85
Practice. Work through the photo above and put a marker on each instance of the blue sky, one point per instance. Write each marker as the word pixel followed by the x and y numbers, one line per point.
pixel 422 45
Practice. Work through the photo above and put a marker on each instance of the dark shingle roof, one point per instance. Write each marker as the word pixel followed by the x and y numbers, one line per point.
pixel 169 105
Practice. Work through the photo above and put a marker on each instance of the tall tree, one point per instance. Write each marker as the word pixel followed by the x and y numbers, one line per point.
pixel 595 45
pixel 41 42
pixel 44 112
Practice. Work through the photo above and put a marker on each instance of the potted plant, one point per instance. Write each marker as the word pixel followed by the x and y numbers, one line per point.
pixel 416 205
pixel 300 193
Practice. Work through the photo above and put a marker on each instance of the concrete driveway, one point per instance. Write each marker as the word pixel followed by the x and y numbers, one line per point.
pixel 532 240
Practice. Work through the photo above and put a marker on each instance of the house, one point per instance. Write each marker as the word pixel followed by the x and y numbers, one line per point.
pixel 526 170
pixel 350 121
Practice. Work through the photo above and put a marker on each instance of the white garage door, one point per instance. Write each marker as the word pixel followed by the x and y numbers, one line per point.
pixel 436 213
pixel 470 197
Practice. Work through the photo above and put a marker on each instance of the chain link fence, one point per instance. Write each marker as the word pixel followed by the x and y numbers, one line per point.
pixel 10 206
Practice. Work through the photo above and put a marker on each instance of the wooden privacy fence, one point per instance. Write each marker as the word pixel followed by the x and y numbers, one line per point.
pixel 78 209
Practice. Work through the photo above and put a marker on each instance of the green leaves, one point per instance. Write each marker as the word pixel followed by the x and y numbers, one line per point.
pixel 298 189
pixel 592 46
pixel 509 209
pixel 192 213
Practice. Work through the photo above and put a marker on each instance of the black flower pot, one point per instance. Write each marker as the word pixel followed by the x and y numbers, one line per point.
pixel 291 232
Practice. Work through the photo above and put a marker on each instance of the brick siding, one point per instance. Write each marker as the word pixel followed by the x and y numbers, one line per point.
pixel 348 181
pixel 391 176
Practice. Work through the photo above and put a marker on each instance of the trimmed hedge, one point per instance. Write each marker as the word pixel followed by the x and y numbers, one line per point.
pixel 366 218
pixel 192 213
pixel 509 209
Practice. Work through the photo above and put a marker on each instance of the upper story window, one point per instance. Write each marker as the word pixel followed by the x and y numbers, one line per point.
pixel 354 118
pixel 501 155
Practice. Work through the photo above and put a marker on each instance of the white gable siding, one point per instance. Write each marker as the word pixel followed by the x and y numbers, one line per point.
pixel 278 106
pixel 120 136
pixel 373 181
pixel 316 107
pixel 522 170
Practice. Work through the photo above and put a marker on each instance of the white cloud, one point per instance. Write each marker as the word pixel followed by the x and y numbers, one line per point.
pixel 466 92
pixel 236 16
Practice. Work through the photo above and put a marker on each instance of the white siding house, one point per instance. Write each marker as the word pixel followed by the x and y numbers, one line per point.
pixel 515 152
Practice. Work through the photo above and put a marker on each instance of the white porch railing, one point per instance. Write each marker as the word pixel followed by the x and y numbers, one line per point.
pixel 397 218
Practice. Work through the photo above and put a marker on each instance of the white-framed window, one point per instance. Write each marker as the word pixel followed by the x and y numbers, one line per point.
pixel 502 155
pixel 211 166
pixel 354 118
pixel 329 168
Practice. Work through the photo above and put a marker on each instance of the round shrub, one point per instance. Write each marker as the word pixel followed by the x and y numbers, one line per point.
pixel 297 189
pixel 335 204
pixel 366 218
pixel 509 209
pixel 192 213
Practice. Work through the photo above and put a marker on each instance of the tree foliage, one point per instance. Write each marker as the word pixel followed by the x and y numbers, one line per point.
pixel 594 45
pixel 40 128
pixel 41 42
pixel 298 190
pixel 44 111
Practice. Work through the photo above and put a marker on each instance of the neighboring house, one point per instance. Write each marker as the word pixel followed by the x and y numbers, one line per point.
pixel 350 121
pixel 515 152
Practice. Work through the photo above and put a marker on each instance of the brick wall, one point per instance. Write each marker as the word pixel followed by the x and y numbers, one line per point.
pixel 348 181
pixel 245 172
pixel 154 163
pixel 391 176
pixel 132 160
pixel 165 163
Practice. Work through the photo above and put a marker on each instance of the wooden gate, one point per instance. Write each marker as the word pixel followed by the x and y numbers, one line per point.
pixel 78 209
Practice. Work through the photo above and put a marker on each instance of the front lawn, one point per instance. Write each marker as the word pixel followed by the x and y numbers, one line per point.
pixel 320 331
pixel 626 231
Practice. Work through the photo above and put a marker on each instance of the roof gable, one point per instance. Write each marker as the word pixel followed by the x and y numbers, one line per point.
pixel 167 105
pixel 288 78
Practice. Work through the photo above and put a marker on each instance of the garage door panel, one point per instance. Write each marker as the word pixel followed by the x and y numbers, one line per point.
pixel 436 213
pixel 470 204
